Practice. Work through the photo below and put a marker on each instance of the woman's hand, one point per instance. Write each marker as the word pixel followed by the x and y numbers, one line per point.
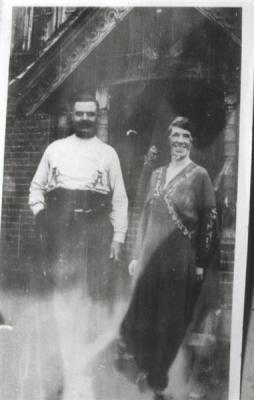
pixel 115 251
pixel 132 267
pixel 199 273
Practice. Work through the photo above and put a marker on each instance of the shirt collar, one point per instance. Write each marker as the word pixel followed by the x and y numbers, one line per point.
pixel 92 139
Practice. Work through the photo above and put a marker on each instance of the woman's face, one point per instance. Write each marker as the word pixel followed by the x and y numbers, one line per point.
pixel 180 141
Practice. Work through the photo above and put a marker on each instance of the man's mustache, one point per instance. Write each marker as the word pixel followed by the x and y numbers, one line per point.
pixel 85 124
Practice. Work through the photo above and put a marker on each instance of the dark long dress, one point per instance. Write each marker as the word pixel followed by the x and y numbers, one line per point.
pixel 177 233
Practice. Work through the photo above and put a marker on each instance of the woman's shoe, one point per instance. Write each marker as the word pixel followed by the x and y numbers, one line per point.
pixel 197 393
pixel 141 381
pixel 159 396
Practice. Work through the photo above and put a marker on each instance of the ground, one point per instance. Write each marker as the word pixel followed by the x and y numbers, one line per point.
pixel 63 347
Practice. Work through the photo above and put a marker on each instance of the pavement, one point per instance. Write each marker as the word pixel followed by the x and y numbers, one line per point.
pixel 63 347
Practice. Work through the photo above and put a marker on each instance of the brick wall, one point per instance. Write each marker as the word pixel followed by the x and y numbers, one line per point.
pixel 26 138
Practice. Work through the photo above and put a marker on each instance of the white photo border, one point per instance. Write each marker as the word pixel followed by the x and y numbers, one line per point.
pixel 245 140
pixel 243 201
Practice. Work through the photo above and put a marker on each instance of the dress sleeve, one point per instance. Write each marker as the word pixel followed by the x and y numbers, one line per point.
pixel 208 236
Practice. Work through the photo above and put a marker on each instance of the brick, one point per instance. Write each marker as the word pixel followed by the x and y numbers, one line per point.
pixel 226 277
pixel 26 139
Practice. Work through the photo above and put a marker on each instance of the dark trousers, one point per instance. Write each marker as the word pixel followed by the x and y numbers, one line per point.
pixel 78 239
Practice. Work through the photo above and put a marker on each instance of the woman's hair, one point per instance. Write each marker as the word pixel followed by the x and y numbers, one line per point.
pixel 182 122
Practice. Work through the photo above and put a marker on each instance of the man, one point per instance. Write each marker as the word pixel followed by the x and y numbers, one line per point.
pixel 76 192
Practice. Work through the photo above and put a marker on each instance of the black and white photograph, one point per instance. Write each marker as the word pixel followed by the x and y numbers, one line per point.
pixel 126 161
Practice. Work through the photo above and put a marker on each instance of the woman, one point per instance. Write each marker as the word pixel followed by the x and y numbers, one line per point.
pixel 176 241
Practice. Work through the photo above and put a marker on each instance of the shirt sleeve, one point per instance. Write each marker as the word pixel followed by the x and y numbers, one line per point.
pixel 119 213
pixel 39 184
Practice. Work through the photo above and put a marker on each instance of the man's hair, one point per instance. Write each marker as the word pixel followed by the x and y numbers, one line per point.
pixel 182 122
pixel 84 98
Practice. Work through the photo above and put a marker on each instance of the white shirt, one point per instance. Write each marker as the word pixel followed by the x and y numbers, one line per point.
pixel 85 164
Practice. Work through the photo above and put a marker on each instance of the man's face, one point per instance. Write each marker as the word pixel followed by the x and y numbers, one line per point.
pixel 84 118
pixel 180 143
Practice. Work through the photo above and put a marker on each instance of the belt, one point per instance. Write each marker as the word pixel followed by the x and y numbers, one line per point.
pixel 78 201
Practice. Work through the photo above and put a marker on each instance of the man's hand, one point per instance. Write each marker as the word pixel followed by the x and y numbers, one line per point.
pixel 41 221
pixel 132 267
pixel 41 226
pixel 115 251
pixel 199 273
